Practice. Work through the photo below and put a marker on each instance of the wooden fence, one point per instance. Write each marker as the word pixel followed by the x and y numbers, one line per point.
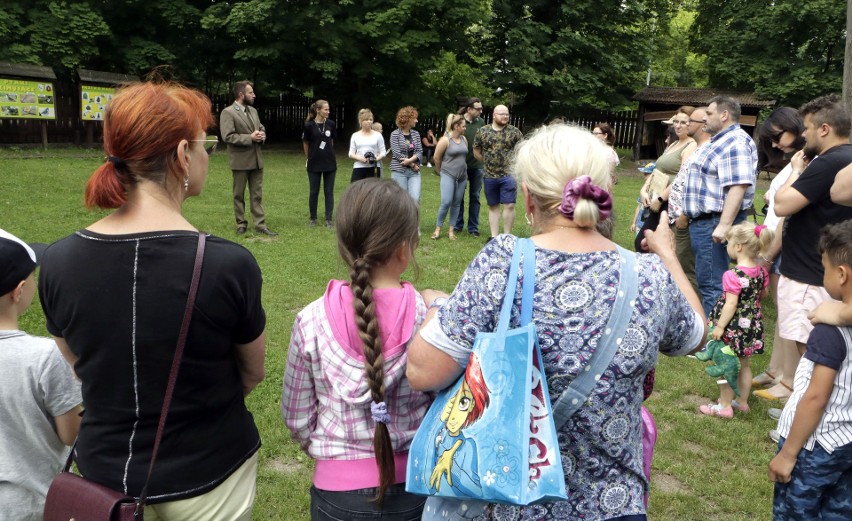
pixel 283 117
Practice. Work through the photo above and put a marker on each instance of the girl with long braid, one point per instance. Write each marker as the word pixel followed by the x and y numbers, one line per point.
pixel 346 398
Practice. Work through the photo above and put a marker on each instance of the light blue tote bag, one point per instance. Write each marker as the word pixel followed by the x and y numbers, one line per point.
pixel 490 436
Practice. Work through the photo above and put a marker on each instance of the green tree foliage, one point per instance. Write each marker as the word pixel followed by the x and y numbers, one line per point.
pixel 673 63
pixel 787 50
pixel 578 53
pixel 63 34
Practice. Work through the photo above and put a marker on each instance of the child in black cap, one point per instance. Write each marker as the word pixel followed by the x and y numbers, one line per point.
pixel 39 395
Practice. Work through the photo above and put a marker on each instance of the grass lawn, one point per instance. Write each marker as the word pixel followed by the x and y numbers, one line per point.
pixel 703 468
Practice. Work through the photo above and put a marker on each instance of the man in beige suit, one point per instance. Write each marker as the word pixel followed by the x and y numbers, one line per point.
pixel 243 132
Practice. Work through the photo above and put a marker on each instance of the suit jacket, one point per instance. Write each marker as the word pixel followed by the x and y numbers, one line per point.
pixel 236 127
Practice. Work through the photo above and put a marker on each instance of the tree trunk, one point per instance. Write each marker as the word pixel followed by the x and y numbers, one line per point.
pixel 847 62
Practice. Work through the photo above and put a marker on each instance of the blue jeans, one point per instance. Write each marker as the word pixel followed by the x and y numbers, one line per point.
pixel 357 505
pixel 711 259
pixel 409 180
pixel 474 178
pixel 820 486
pixel 452 195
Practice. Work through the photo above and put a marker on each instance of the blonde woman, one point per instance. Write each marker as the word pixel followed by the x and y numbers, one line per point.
pixel 564 173
pixel 451 161
pixel 367 148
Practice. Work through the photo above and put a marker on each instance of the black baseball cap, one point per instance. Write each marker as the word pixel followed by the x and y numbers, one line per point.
pixel 17 260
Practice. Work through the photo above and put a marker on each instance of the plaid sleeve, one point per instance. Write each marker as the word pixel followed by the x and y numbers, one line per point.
pixel 299 398
pixel 737 164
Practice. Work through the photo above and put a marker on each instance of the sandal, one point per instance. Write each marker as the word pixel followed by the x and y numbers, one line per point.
pixel 452 236
pixel 741 407
pixel 765 379
pixel 767 394
pixel 715 409
pixel 436 235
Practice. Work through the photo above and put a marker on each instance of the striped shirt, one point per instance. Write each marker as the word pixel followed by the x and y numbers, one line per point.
pixel 400 147
pixel 831 347
pixel 729 159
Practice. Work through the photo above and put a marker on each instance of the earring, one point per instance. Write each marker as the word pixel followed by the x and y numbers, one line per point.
pixel 530 219
pixel 185 182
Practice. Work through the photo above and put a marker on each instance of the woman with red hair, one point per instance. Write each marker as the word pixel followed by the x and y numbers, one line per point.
pixel 406 152
pixel 114 296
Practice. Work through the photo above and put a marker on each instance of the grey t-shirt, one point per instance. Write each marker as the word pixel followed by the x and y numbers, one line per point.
pixel 36 385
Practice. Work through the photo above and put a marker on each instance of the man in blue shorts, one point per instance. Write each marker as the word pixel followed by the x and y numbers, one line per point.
pixel 493 146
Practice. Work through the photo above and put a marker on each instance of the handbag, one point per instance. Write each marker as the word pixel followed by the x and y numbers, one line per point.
pixel 74 497
pixel 509 453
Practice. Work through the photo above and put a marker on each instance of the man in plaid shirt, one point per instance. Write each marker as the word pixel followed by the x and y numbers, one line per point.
pixel 719 189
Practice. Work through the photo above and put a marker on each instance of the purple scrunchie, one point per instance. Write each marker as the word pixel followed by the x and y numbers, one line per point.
pixel 380 412
pixel 582 188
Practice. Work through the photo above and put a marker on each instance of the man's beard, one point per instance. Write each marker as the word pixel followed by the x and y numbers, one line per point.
pixel 811 150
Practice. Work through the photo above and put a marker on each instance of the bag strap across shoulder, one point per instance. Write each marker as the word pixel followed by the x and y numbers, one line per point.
pixel 578 392
pixel 170 387
pixel 526 249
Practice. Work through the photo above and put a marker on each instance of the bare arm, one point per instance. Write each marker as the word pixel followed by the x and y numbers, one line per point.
pixel 68 425
pixel 726 315
pixel 808 415
pixel 305 146
pixel 477 153
pixel 788 200
pixel 438 158
pixel 686 152
pixel 733 201
pixel 69 357
pixel 250 360
pixel 429 368
pixel 661 242
pixel 841 190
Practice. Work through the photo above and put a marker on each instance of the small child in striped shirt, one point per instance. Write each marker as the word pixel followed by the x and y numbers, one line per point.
pixel 813 467
pixel 346 398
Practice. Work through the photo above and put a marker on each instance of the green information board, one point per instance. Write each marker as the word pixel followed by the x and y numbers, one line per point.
pixel 26 99
pixel 94 100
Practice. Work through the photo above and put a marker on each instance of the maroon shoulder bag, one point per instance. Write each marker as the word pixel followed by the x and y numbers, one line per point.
pixel 74 497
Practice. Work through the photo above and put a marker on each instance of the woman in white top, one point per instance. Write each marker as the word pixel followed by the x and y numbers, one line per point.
pixel 451 161
pixel 367 148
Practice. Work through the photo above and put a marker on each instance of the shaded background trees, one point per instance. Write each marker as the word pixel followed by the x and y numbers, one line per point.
pixel 532 55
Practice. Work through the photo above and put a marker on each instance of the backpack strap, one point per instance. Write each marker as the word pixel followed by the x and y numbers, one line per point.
pixel 578 392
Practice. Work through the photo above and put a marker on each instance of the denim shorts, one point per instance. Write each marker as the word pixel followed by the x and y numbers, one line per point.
pixel 500 190
pixel 357 505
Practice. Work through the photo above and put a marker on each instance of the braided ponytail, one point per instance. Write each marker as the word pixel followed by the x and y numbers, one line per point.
pixel 375 218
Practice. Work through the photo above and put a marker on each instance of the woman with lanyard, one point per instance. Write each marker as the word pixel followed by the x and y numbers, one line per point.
pixel 407 151
pixel 318 142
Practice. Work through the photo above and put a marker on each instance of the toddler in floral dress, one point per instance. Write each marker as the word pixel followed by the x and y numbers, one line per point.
pixel 737 319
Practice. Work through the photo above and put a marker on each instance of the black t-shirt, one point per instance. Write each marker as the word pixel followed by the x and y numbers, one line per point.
pixel 118 301
pixel 800 257
pixel 320 157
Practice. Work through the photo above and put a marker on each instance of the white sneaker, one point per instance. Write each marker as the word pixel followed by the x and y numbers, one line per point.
pixel 774 413
pixel 774 436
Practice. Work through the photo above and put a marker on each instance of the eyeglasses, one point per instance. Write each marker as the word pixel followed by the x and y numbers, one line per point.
pixel 684 122
pixel 209 144
pixel 697 121
pixel 777 137
pixel 477 108
pixel 597 133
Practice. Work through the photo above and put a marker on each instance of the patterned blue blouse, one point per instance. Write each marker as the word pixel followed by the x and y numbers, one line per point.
pixel 601 444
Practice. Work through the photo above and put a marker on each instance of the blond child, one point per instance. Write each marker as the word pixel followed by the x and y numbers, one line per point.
pixel 737 319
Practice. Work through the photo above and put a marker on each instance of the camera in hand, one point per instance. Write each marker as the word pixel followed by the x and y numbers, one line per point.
pixel 370 157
